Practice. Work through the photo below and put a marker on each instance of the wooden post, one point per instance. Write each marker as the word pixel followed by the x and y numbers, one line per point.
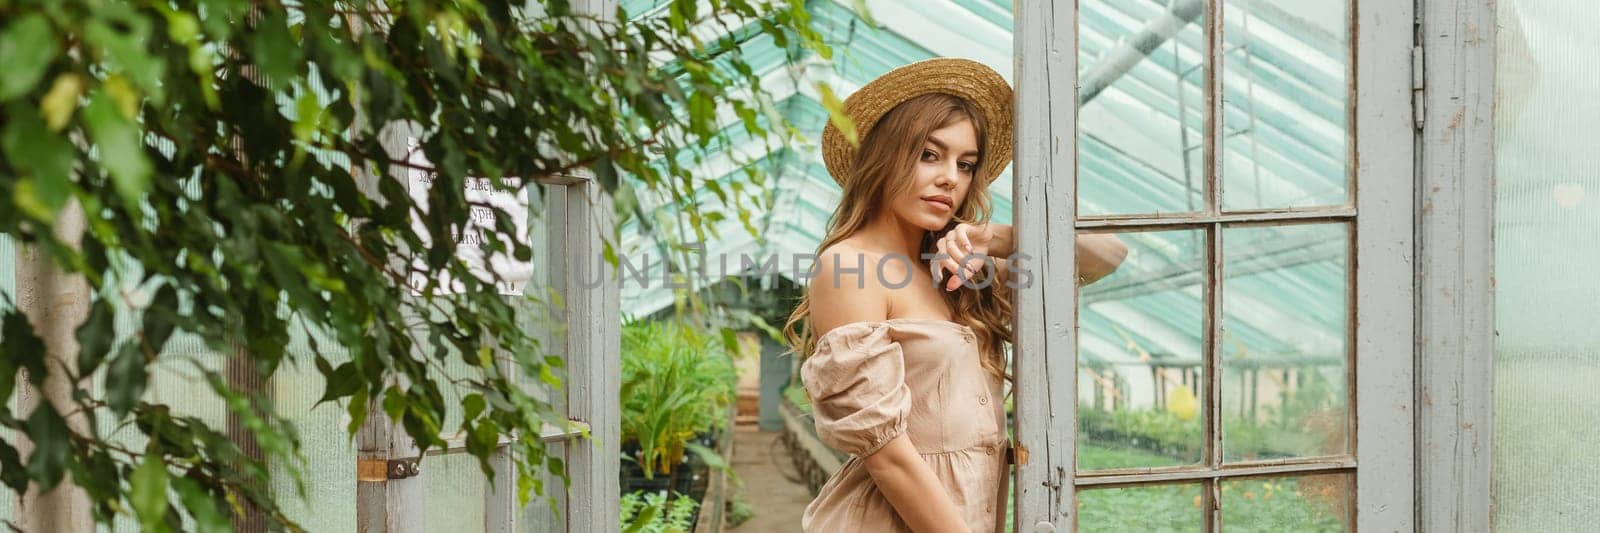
pixel 1046 307
pixel 594 366
pixel 1455 266
pixel 387 501
pixel 244 379
pixel 56 303
pixel 594 350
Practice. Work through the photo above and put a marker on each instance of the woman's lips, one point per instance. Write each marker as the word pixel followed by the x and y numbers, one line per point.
pixel 939 202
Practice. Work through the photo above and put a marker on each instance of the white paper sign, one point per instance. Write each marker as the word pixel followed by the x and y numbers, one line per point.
pixel 487 202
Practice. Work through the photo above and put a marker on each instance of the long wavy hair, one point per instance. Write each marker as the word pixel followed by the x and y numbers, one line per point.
pixel 883 169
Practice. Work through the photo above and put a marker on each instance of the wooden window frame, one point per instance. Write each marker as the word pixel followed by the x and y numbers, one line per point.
pixel 1382 151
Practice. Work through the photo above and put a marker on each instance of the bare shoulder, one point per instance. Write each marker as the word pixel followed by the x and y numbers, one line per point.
pixel 846 288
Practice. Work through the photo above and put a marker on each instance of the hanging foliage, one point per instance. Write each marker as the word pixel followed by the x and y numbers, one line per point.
pixel 231 164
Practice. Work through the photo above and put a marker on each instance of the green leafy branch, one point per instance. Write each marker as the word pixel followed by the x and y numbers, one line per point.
pixel 229 159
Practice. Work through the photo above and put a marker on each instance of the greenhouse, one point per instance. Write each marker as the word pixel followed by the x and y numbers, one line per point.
pixel 1354 294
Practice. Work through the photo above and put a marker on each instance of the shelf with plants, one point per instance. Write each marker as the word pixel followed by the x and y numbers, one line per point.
pixel 678 387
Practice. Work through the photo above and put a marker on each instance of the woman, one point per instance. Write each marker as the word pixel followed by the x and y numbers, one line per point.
pixel 903 325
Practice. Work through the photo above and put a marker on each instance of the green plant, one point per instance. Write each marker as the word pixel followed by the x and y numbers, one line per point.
pixel 740 510
pixel 676 382
pixel 1308 421
pixel 1252 504
pixel 796 395
pixel 1161 433
pixel 226 159
pixel 653 513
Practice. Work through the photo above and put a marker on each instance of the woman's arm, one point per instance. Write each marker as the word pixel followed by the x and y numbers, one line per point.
pixel 910 486
pixel 1099 254
pixel 1004 242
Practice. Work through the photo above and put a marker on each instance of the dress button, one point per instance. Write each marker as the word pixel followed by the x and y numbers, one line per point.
pixel 983 400
pixel 988 450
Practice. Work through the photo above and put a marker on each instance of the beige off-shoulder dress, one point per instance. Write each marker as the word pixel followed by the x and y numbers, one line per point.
pixel 872 381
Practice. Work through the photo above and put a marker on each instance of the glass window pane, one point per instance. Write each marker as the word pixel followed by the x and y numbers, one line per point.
pixel 1285 127
pixel 1158 508
pixel 1319 503
pixel 1284 341
pixel 330 453
pixel 456 492
pixel 544 512
pixel 1141 117
pixel 1547 207
pixel 1140 353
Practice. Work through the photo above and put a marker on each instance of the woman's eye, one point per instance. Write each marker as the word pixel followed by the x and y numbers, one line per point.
pixel 965 167
pixel 928 155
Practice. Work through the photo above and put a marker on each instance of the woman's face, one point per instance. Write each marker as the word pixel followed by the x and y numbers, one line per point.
pixel 945 169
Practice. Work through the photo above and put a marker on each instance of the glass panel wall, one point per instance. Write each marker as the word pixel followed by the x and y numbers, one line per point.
pixel 1547 206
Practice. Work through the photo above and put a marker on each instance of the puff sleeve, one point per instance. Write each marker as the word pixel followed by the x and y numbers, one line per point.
pixel 856 379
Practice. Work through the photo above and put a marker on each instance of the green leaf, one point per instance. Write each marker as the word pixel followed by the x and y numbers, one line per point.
pixel 100 476
pixel 124 95
pixel 182 27
pixel 481 442
pixel 62 100
pixel 547 377
pixel 730 341
pixel 157 326
pixel 149 492
pixel 274 49
pixel 860 8
pixel 95 336
pixel 121 147
pixel 710 456
pixel 201 506
pixel 357 410
pixel 394 402
pixel 837 115
pixel 27 45
pixel 646 516
pixel 126 379
pixel 11 470
pixel 472 406
pixel 45 155
pixel 119 34
pixel 52 446
pixel 342 381
pixel 22 348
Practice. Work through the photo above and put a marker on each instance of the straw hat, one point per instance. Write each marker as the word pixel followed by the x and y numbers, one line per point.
pixel 964 78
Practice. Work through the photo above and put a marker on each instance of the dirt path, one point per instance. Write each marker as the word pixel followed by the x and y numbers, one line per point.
pixel 778 501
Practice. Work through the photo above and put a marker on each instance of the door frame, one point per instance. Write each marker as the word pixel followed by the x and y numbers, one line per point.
pixel 1384 154
pixel 1455 314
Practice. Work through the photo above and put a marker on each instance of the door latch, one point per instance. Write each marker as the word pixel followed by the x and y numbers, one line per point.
pixel 384 470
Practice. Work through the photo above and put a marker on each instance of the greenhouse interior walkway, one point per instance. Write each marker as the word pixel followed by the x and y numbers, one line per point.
pixel 768 482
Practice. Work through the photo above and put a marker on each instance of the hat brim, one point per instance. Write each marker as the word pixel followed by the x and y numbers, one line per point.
pixel 969 80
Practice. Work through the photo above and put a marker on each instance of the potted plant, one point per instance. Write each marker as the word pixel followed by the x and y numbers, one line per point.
pixel 651 512
pixel 677 386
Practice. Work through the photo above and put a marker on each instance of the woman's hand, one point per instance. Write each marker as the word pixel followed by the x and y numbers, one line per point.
pixel 963 241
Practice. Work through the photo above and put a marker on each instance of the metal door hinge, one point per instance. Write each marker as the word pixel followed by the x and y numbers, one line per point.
pixel 384 470
pixel 1419 86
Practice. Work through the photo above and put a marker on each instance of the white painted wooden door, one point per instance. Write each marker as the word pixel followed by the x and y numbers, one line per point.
pixel 1249 365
